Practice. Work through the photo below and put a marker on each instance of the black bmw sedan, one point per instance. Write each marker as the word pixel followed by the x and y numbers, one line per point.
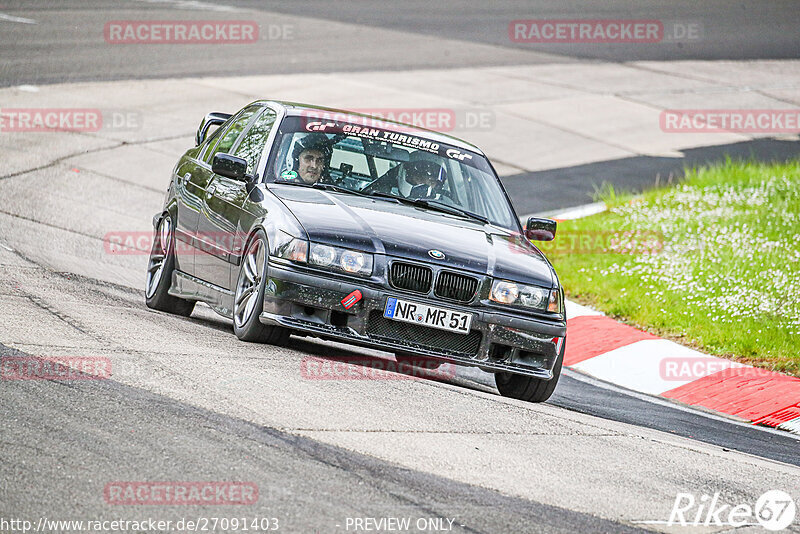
pixel 289 218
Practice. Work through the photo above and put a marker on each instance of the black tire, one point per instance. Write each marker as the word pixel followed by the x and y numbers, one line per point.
pixel 528 388
pixel 159 272
pixel 248 299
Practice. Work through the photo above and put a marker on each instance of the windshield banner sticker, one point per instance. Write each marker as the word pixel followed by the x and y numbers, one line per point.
pixel 384 135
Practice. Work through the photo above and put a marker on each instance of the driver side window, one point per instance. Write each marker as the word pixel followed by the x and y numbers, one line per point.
pixel 231 134
pixel 252 143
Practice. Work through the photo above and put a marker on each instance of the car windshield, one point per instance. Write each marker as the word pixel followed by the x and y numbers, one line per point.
pixel 381 159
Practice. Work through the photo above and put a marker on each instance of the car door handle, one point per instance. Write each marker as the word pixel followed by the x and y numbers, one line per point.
pixel 210 191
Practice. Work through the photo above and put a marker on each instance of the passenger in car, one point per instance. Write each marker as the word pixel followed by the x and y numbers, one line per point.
pixel 420 179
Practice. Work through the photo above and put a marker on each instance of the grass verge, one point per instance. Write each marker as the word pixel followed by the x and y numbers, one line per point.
pixel 713 262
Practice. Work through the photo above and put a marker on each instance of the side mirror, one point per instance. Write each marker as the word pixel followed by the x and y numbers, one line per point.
pixel 541 229
pixel 212 119
pixel 230 167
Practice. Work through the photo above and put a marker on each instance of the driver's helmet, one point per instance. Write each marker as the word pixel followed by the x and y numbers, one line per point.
pixel 420 179
pixel 312 141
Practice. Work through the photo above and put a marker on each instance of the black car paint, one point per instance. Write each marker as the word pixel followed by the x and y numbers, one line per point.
pixel 206 205
pixel 385 227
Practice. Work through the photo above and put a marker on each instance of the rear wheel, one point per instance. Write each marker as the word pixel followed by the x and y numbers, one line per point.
pixel 159 273
pixel 528 388
pixel 248 300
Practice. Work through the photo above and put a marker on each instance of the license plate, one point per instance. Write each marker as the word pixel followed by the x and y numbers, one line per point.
pixel 422 314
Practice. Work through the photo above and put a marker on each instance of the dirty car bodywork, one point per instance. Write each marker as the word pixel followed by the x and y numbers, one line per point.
pixel 450 276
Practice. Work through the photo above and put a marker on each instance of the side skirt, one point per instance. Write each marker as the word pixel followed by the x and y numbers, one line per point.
pixel 190 288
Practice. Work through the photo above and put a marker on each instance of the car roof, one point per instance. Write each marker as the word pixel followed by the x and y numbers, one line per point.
pixel 298 109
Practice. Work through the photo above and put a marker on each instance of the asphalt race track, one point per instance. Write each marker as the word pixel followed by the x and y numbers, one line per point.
pixel 427 35
pixel 188 402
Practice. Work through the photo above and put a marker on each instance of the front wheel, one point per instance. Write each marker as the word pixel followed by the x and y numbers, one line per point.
pixel 159 273
pixel 248 300
pixel 528 388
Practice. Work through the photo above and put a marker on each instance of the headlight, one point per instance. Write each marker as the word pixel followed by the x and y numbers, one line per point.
pixel 352 262
pixel 323 255
pixel 341 259
pixel 292 248
pixel 537 298
pixel 505 292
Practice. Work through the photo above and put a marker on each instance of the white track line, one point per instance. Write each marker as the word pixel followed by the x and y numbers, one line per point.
pixel 194 5
pixel 12 18
pixel 792 426
pixel 576 212
pixel 576 310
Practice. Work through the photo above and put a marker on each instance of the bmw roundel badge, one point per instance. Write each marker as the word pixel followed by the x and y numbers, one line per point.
pixel 436 254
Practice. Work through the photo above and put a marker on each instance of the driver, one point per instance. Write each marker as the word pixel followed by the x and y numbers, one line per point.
pixel 420 179
pixel 311 156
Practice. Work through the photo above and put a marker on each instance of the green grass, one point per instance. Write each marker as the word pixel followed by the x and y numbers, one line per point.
pixel 712 262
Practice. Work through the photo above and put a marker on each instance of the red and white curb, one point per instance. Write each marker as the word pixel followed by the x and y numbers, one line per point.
pixel 620 354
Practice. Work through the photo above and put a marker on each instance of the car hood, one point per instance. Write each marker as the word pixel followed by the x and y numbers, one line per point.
pixel 400 230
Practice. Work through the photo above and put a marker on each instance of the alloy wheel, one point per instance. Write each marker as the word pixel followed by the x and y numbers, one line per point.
pixel 249 281
pixel 158 255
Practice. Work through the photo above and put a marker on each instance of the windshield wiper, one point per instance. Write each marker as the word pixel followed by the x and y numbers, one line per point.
pixel 387 196
pixel 433 205
pixel 441 206
pixel 334 187
pixel 429 204
pixel 326 187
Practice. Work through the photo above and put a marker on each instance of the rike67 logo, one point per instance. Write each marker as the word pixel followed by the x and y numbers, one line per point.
pixel 774 510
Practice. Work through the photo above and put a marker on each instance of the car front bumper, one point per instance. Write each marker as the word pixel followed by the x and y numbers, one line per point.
pixel 312 304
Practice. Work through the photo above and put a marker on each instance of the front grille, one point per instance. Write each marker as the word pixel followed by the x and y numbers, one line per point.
pixel 455 286
pixel 412 336
pixel 410 277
